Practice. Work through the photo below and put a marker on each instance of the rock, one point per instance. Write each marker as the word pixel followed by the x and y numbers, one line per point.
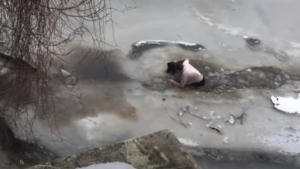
pixel 158 150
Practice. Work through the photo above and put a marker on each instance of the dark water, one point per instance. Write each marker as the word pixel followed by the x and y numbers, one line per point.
pixel 209 158
pixel 90 64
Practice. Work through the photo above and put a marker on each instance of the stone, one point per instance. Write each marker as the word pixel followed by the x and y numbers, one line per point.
pixel 137 152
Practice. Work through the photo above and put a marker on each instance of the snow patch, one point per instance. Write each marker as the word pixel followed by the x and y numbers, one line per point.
pixel 114 165
pixel 288 105
pixel 187 142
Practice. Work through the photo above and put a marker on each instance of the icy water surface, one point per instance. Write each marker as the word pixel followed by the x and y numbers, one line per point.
pixel 231 119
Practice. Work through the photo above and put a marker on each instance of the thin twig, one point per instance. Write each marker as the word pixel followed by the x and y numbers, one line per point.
pixel 180 122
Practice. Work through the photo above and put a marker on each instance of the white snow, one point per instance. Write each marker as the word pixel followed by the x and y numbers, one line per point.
pixel 187 142
pixel 288 105
pixel 114 165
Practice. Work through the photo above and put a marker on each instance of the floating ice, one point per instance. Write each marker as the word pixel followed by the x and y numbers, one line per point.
pixel 288 105
pixel 225 140
pixel 159 42
pixel 190 123
pixel 187 142
pixel 65 73
pixel 114 165
pixel 231 119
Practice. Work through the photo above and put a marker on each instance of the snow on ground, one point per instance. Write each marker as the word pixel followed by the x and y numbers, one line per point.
pixel 114 165
pixel 288 105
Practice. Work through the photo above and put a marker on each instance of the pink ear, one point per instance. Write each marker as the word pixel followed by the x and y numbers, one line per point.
pixel 174 61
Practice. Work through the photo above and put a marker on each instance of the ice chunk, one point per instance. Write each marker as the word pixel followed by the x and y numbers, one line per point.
pixel 225 140
pixel 288 105
pixel 231 119
pixel 114 165
pixel 65 73
pixel 187 142
pixel 190 123
pixel 159 42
